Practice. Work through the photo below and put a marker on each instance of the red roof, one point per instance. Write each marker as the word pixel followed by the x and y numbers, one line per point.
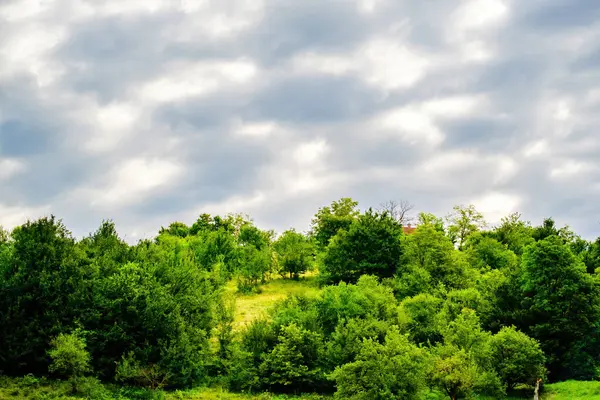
pixel 409 229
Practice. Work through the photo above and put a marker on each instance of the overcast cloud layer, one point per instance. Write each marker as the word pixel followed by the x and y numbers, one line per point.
pixel 150 111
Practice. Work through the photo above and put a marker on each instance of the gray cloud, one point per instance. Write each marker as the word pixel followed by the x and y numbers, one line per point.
pixel 147 115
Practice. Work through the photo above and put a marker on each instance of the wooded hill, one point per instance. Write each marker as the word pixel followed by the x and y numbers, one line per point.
pixel 453 308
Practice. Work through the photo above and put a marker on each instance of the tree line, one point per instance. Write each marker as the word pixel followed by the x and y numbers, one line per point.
pixel 455 307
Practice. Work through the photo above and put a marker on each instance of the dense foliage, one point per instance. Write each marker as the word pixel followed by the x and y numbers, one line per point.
pixel 452 308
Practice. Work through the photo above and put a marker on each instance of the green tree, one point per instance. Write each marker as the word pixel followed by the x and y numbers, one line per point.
pixel 455 372
pixel 213 247
pixel 545 230
pixel 329 220
pixel 392 370
pixel 372 245
pixel 561 303
pixel 430 250
pixel 516 357
pixel 105 249
pixel 69 357
pixel 591 256
pixel 294 363
pixel 431 220
pixel 254 266
pixel 484 251
pixel 4 235
pixel 41 293
pixel 154 320
pixel 250 235
pixel 418 316
pixel 462 222
pixel 515 233
pixel 346 342
pixel 5 254
pixel 176 229
pixel 294 253
pixel 465 332
pixel 367 299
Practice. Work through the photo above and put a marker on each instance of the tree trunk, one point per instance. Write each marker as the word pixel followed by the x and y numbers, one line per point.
pixel 536 394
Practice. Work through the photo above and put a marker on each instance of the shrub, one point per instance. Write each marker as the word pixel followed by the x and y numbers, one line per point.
pixel 366 299
pixel 69 357
pixel 133 372
pixel 371 245
pixel 294 363
pixel 516 357
pixel 393 370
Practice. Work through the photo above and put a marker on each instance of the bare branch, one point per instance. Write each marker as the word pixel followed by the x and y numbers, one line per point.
pixel 399 210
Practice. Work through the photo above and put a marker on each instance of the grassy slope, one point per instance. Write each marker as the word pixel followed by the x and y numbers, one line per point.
pixel 252 306
pixel 572 390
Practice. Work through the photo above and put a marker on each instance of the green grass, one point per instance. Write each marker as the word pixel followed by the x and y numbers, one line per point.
pixel 33 388
pixel 249 307
pixel 220 394
pixel 30 388
pixel 572 390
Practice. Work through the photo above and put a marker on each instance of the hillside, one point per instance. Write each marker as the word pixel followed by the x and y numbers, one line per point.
pixel 359 308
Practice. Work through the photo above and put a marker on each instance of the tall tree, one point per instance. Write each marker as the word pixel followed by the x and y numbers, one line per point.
pixel 371 245
pixel 294 253
pixel 331 219
pixel 462 222
pixel 431 251
pixel 514 233
pixel 431 220
pixel 561 303
pixel 40 292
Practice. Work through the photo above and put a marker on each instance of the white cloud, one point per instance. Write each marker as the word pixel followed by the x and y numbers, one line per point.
pixel 569 168
pixel 496 205
pixel 417 123
pixel 415 126
pixel 257 129
pixel 235 204
pixel 135 179
pixel 368 6
pixel 446 163
pixel 458 60
pixel 25 9
pixel 197 79
pixel 506 169
pixel 208 19
pixel 28 49
pixel 457 106
pixel 12 216
pixel 324 63
pixel 384 63
pixel 310 153
pixel 537 148
pixel 390 65
pixel 469 26
pixel 113 123
pixel 10 167
pixel 480 14
pixel 118 7
pixel 563 112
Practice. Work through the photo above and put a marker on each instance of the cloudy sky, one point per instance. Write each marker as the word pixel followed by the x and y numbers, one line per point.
pixel 150 111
